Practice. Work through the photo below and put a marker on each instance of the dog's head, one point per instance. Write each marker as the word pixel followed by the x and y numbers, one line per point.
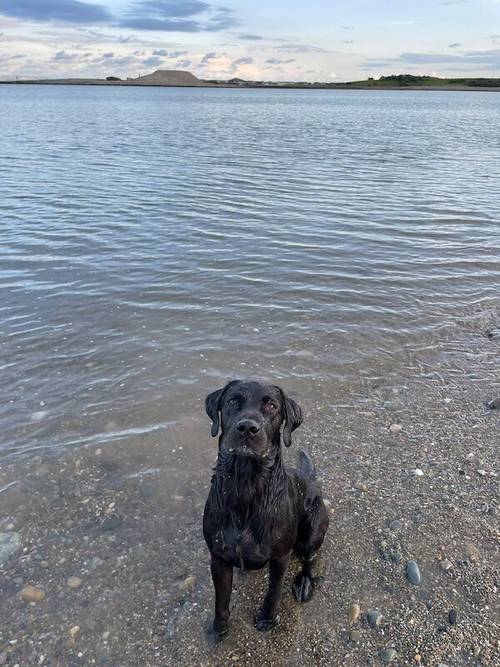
pixel 250 415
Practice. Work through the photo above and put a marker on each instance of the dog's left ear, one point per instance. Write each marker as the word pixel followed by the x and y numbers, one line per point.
pixel 293 417
pixel 212 406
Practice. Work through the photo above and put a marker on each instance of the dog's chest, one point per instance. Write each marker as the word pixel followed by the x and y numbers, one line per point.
pixel 240 547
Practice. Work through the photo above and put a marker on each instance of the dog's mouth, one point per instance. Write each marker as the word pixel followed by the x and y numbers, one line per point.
pixel 243 449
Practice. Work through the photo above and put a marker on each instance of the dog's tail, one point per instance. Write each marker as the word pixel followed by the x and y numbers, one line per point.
pixel 306 467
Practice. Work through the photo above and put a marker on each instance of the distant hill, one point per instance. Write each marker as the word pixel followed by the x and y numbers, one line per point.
pixel 168 77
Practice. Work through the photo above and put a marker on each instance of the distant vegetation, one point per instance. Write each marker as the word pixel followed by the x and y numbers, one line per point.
pixel 405 80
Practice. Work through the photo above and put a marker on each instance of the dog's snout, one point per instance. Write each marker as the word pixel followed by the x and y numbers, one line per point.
pixel 248 427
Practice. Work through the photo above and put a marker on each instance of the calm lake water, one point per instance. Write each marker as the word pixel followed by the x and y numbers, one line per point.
pixel 157 242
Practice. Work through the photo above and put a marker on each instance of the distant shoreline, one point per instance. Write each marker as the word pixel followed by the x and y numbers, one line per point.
pixel 250 85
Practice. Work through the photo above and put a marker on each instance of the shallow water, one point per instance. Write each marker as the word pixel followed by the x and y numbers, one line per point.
pixel 156 242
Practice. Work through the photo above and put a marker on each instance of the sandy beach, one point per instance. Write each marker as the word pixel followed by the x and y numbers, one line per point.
pixel 116 565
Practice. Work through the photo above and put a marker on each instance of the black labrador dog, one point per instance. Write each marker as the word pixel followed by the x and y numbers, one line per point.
pixel 257 510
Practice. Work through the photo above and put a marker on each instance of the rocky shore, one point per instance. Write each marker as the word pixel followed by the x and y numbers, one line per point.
pixel 102 561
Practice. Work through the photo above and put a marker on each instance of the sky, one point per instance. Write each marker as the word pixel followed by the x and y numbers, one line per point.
pixel 318 40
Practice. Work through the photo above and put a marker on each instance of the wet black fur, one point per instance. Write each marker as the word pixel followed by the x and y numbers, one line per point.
pixel 258 511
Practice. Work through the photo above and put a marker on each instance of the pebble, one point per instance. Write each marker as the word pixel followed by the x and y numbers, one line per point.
pixel 445 565
pixel 32 594
pixel 472 553
pixel 374 617
pixel 418 472
pixel 74 631
pixel 147 490
pixel 493 334
pixel 481 472
pixel 413 573
pixel 9 544
pixel 188 583
pixel 494 404
pixel 396 556
pixel 388 655
pixel 111 523
pixel 361 487
pixel 355 636
pixel 396 524
pixel 354 613
pixel 74 582
pixel 395 428
pixel 418 658
pixel 452 616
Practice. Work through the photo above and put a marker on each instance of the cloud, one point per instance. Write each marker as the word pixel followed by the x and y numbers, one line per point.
pixel 178 16
pixel 454 45
pixel 64 57
pixel 479 59
pixel 152 61
pixel 250 37
pixel 184 64
pixel 208 57
pixel 247 60
pixel 68 11
pixel 301 48
pixel 177 54
pixel 277 61
pixel 160 52
pixel 154 15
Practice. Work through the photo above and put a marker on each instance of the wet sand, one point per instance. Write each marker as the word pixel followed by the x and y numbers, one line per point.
pixel 114 542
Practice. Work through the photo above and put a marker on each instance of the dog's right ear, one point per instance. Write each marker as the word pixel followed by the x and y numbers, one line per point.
pixel 212 406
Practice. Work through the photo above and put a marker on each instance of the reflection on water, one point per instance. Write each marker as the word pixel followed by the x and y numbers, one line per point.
pixel 156 242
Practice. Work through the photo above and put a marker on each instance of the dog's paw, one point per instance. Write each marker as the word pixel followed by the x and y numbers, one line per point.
pixel 217 631
pixel 264 622
pixel 303 588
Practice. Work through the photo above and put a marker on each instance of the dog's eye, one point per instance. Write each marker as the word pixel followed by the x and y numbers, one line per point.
pixel 268 404
pixel 232 403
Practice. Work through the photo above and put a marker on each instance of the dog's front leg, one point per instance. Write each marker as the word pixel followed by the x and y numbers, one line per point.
pixel 267 616
pixel 222 575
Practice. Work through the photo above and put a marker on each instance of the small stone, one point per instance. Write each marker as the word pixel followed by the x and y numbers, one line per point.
pixel 111 523
pixel 395 525
pixel 74 582
pixel 477 651
pixel 494 404
pixel 413 573
pixel 492 510
pixel 395 428
pixel 355 636
pixel 493 334
pixel 32 594
pixel 74 631
pixel 188 583
pixel 44 564
pixel 481 472
pixel 472 553
pixel 396 556
pixel 9 544
pixel 452 616
pixel 361 487
pixel 445 565
pixel 388 655
pixel 418 472
pixel 418 658
pixel 354 613
pixel 374 617
pixel 147 490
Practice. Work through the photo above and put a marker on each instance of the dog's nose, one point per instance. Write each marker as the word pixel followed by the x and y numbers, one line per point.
pixel 247 427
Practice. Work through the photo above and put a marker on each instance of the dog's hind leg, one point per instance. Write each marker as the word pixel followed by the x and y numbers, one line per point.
pixel 311 535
